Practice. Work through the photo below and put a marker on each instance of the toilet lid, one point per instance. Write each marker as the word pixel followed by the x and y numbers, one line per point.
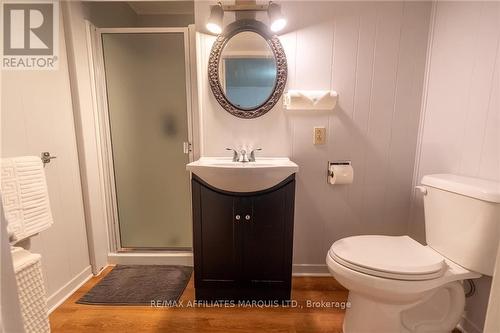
pixel 396 257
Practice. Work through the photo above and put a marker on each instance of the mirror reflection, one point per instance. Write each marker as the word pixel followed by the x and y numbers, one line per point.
pixel 247 70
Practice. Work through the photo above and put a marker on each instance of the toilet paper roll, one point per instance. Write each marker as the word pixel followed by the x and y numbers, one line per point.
pixel 340 174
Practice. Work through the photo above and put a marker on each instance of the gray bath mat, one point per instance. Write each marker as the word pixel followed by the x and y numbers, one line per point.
pixel 139 285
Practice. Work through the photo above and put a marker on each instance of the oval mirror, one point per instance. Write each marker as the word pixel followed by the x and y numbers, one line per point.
pixel 247 69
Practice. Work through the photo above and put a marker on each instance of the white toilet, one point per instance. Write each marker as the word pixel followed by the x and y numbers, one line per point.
pixel 398 285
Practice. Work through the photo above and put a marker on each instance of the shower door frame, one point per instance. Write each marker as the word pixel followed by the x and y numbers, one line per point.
pixel 112 216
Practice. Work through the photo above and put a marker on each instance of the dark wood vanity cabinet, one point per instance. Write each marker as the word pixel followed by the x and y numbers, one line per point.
pixel 243 242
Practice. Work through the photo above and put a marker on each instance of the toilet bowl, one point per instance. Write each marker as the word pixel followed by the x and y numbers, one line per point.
pixel 397 285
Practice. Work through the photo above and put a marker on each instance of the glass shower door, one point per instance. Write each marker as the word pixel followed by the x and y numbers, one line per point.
pixel 146 80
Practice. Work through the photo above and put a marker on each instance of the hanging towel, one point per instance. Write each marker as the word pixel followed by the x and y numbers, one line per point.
pixel 310 99
pixel 25 197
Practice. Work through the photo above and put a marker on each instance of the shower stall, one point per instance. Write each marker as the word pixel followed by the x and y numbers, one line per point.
pixel 142 78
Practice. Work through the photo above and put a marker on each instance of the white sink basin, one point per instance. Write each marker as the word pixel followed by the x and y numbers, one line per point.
pixel 224 174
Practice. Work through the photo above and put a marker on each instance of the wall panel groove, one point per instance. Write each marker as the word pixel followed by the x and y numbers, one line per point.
pixel 373 54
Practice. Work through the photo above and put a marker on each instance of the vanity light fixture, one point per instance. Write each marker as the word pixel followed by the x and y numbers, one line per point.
pixel 276 19
pixel 214 24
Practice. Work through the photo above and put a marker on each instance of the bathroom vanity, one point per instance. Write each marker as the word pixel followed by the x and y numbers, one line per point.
pixel 243 241
pixel 243 207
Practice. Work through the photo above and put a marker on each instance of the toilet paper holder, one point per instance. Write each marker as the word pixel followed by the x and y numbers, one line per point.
pixel 329 172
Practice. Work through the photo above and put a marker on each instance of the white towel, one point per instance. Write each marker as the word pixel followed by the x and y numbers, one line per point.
pixel 25 196
pixel 310 99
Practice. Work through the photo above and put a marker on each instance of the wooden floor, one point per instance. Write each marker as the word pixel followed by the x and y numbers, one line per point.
pixel 71 317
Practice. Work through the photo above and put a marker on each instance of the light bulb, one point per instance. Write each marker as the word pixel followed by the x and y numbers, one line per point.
pixel 214 28
pixel 278 25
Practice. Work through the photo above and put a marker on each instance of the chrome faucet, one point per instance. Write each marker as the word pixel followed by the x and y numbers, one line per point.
pixel 252 154
pixel 242 155
pixel 235 154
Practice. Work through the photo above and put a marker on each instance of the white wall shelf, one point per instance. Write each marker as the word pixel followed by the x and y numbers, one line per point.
pixel 319 100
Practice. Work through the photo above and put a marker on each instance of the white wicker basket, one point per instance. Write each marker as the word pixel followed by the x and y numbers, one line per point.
pixel 32 297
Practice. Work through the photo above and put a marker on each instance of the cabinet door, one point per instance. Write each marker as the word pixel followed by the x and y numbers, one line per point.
pixel 267 238
pixel 216 237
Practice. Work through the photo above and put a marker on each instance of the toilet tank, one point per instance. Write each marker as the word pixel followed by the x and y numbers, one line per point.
pixel 462 219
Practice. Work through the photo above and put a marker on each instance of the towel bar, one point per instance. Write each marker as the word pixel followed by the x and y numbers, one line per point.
pixel 45 156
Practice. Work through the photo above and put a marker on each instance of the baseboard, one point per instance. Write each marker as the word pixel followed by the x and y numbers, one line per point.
pixel 186 258
pixel 170 258
pixel 101 270
pixel 57 298
pixel 310 270
pixel 467 326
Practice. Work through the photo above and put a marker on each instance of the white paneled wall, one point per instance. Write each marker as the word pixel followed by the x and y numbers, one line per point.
pixel 373 54
pixel 460 124
pixel 461 118
pixel 37 116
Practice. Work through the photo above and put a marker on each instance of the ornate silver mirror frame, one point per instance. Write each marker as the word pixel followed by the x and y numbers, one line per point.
pixel 214 62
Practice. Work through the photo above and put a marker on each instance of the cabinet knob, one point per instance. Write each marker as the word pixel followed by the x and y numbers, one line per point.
pixel 247 217
pixel 237 217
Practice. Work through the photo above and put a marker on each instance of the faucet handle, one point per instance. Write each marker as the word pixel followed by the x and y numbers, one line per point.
pixel 252 154
pixel 235 154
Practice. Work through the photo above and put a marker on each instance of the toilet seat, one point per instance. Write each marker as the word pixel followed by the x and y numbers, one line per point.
pixel 392 257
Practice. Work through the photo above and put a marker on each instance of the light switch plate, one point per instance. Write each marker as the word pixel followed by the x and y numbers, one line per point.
pixel 319 135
